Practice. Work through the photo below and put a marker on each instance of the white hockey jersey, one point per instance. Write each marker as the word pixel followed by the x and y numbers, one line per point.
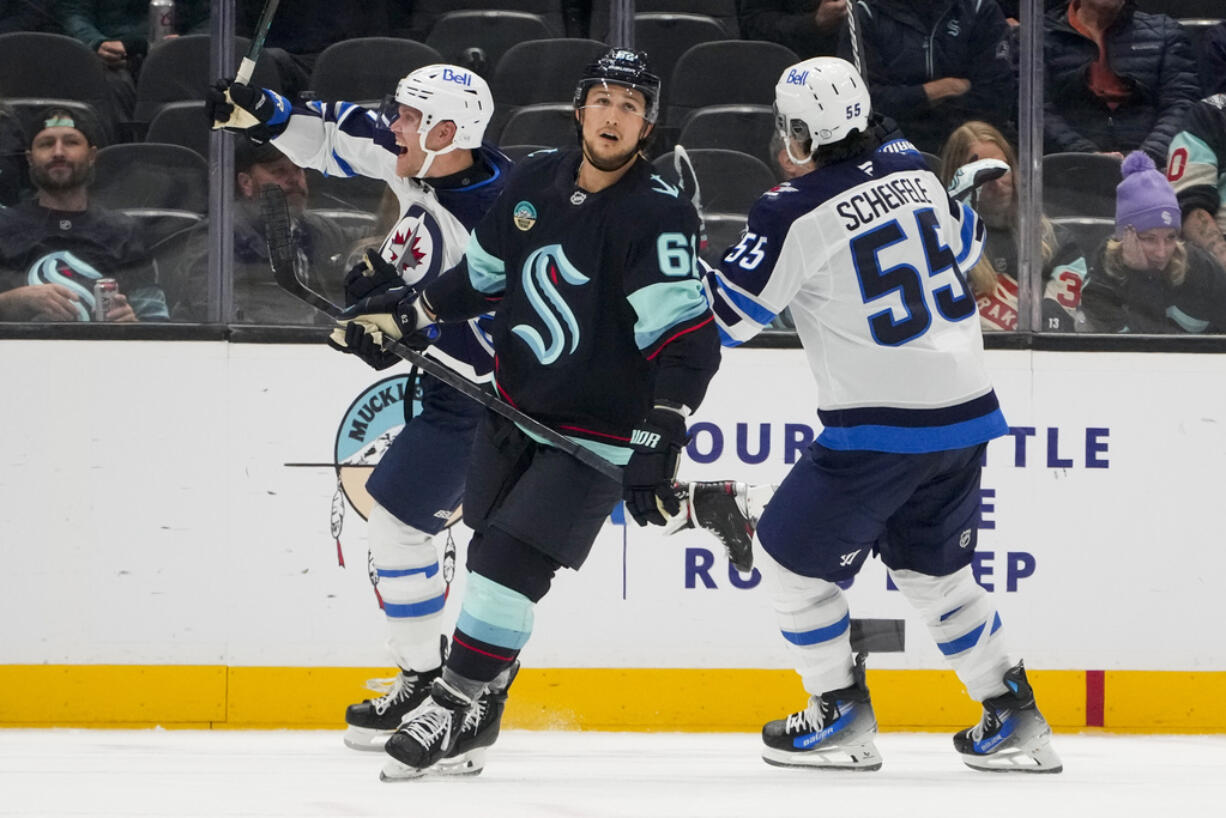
pixel 869 256
pixel 344 139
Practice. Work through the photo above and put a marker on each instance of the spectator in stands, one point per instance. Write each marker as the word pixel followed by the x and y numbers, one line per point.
pixel 27 15
pixel 994 280
pixel 323 248
pixel 1117 79
pixel 1196 163
pixel 1145 278
pixel 56 245
pixel 933 65
pixel 808 27
pixel 1213 60
pixel 119 33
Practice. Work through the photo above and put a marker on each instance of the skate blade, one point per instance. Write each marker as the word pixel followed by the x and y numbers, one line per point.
pixel 366 740
pixel 394 771
pixel 861 758
pixel 1035 759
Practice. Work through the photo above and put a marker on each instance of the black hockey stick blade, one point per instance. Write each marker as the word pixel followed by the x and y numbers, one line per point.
pixel 878 635
pixel 281 257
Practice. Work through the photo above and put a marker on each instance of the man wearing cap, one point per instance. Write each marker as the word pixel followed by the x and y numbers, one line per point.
pixel 322 246
pixel 56 245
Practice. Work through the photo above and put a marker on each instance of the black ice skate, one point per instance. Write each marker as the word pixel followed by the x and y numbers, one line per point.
pixel 835 732
pixel 428 735
pixel 723 508
pixel 480 730
pixel 1012 736
pixel 371 722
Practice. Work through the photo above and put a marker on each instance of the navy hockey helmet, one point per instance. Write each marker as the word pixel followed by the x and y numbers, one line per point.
pixel 621 66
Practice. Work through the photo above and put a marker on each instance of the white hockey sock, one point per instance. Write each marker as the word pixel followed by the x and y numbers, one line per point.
pixel 965 625
pixel 410 583
pixel 814 619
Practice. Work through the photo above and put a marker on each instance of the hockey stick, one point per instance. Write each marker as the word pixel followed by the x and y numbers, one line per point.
pixel 247 66
pixel 281 257
pixel 857 46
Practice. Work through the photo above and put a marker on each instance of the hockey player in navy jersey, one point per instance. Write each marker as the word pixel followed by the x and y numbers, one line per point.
pixel 603 332
pixel 426 144
pixel 868 253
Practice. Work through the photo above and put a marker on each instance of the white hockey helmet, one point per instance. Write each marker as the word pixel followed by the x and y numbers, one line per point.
pixel 822 99
pixel 448 93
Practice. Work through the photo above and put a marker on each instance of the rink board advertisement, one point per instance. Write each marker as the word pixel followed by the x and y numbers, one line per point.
pixel 183 508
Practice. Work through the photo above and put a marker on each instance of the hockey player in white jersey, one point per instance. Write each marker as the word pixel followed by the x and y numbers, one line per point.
pixel 868 252
pixel 426 143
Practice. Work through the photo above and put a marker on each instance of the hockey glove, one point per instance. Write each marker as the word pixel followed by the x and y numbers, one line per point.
pixel 647 480
pixel 370 276
pixel 240 109
pixel 397 313
pixel 973 175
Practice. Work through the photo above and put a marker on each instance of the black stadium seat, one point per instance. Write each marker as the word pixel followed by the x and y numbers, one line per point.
pixel 722 11
pixel 744 128
pixel 538 71
pixel 729 181
pixel 728 72
pixel 455 35
pixel 151 175
pixel 1080 184
pixel 182 123
pixel 547 123
pixel 426 13
pixel 178 69
pixel 366 69
pixel 51 66
pixel 665 37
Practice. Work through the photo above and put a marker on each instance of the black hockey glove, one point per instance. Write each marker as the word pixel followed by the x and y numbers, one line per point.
pixel 363 344
pixel 240 109
pixel 370 276
pixel 397 313
pixel 647 480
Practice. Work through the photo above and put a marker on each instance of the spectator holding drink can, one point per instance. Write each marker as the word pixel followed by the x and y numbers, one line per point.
pixel 56 246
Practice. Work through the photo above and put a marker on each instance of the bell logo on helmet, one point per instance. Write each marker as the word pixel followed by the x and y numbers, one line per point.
pixel 460 77
pixel 797 77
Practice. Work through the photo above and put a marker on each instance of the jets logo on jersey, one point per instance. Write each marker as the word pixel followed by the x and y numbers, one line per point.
pixel 541 273
pixel 415 247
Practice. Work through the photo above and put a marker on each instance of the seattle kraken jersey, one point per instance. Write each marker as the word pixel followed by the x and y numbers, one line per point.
pixel 1196 160
pixel 343 139
pixel 868 255
pixel 590 287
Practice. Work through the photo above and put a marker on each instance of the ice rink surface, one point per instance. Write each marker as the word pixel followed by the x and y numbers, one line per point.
pixel 171 773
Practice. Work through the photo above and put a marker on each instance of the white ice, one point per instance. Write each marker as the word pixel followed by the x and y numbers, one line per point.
pixel 172 773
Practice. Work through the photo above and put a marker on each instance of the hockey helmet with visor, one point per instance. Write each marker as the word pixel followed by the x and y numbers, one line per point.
pixel 820 101
pixel 621 66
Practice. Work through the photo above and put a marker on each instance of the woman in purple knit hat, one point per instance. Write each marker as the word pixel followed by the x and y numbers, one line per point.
pixel 1145 278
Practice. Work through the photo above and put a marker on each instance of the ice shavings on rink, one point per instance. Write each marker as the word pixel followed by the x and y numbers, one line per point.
pixel 212 774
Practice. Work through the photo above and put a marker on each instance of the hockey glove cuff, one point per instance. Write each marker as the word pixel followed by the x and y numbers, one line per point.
pixel 370 276
pixel 647 480
pixel 240 109
pixel 397 314
pixel 973 175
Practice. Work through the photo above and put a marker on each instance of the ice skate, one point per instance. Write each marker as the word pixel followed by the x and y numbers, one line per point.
pixel 372 721
pixel 726 509
pixel 482 724
pixel 1012 736
pixel 835 732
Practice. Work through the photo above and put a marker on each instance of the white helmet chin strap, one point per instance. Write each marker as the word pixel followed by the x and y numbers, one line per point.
pixel 425 166
pixel 787 145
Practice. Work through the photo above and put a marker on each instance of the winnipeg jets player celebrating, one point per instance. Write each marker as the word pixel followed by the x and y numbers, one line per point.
pixel 426 144
pixel 603 332
pixel 868 252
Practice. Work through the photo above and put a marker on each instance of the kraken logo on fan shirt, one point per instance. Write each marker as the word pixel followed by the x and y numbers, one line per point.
pixel 541 272
pixel 66 270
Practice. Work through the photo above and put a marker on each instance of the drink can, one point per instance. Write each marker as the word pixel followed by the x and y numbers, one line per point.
pixel 161 19
pixel 105 290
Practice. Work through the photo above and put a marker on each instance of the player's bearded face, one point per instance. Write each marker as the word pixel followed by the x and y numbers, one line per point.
pixel 612 125
pixel 61 159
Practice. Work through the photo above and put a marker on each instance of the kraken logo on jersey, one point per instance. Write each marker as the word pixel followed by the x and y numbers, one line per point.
pixel 415 247
pixel 66 270
pixel 540 275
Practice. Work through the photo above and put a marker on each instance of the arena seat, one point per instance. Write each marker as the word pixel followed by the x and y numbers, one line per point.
pixel 747 71
pixel 723 12
pixel 181 123
pixel 178 69
pixel 151 175
pixel 1080 184
pixel 38 65
pixel 744 128
pixel 548 123
pixel 538 71
pixel 427 13
pixel 366 69
pixel 456 34
pixel 729 181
